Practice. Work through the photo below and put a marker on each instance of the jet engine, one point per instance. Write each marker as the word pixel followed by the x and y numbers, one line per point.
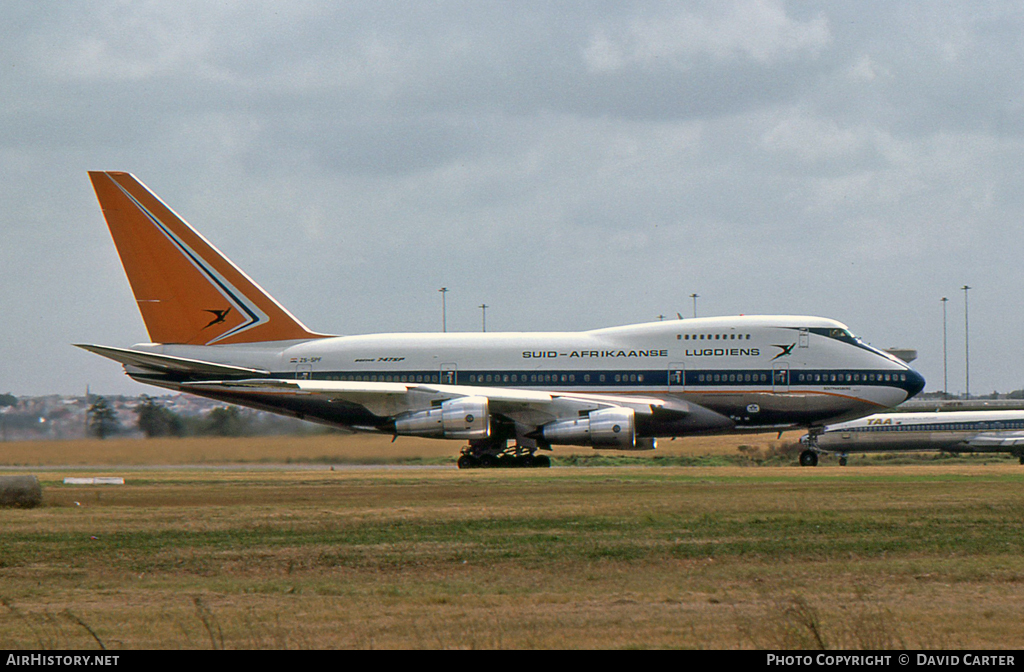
pixel 606 428
pixel 463 418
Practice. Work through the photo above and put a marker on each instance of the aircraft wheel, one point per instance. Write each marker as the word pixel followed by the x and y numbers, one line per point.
pixel 542 461
pixel 808 458
pixel 467 462
pixel 842 461
pixel 486 461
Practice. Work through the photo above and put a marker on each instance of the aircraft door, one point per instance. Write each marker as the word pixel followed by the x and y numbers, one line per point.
pixel 676 376
pixel 780 378
pixel 449 374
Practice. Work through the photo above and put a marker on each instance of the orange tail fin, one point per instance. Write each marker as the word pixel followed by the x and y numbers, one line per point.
pixel 187 291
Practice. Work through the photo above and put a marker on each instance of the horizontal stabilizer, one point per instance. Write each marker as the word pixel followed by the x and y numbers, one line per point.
pixel 157 363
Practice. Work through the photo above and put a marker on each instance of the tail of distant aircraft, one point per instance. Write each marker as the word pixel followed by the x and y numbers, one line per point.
pixel 187 291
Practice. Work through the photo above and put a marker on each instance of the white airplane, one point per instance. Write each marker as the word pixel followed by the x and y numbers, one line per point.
pixel 948 431
pixel 217 334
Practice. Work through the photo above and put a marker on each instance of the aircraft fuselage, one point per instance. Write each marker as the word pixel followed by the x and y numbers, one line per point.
pixel 757 371
pixel 952 431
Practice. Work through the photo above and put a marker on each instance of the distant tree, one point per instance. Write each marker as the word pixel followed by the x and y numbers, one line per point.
pixel 8 400
pixel 155 420
pixel 103 420
pixel 226 421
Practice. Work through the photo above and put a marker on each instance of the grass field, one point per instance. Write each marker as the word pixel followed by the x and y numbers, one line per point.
pixel 331 449
pixel 908 556
pixel 327 449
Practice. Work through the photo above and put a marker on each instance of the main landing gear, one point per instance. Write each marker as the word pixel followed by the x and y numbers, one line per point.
pixel 490 454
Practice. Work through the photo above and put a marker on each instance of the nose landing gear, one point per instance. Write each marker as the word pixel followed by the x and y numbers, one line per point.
pixel 809 456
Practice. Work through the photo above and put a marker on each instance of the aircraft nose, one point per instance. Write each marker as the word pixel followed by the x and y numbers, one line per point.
pixel 915 383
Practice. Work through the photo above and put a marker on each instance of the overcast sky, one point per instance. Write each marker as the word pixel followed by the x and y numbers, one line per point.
pixel 571 165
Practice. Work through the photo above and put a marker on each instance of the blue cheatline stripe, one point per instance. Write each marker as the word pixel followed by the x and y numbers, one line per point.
pixel 640 378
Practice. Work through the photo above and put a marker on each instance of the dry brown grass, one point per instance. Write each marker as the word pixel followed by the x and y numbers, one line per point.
pixel 206 450
pixel 324 448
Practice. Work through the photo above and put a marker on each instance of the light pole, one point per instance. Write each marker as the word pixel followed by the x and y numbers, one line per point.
pixel 444 308
pixel 483 307
pixel 694 297
pixel 967 347
pixel 945 367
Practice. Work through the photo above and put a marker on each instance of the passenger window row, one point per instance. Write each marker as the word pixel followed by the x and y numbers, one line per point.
pixel 712 337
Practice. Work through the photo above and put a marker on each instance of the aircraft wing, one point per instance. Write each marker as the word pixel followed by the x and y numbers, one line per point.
pixel 529 407
pixel 424 409
pixel 991 440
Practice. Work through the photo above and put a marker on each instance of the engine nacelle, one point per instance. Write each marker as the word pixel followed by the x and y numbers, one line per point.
pixel 606 428
pixel 463 418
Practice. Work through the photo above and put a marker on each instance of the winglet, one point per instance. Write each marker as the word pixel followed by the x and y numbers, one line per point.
pixel 187 290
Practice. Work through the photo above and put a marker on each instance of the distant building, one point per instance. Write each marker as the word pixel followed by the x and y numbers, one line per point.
pixel 905 354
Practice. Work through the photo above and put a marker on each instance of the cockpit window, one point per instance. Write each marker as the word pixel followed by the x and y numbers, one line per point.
pixel 838 334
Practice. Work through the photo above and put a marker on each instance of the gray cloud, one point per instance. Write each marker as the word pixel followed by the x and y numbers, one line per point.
pixel 573 165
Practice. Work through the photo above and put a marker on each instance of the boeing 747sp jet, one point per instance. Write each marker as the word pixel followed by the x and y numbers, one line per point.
pixel 216 333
